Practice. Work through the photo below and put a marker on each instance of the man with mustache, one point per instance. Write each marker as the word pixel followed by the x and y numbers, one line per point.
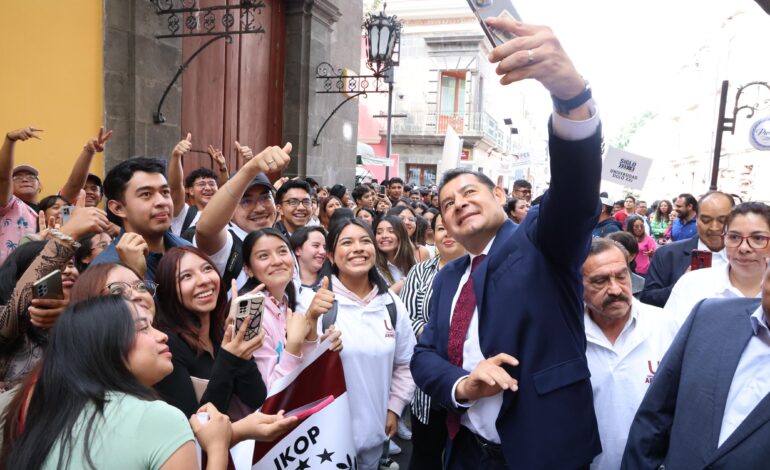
pixel 626 341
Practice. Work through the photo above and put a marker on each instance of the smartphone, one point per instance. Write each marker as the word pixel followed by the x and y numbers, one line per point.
pixel 66 212
pixel 48 286
pixel 311 408
pixel 249 304
pixel 700 259
pixel 484 9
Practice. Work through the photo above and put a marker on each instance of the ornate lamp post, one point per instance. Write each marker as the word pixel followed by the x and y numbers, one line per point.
pixel 383 35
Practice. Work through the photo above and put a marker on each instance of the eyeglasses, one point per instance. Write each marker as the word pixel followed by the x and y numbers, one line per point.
pixel 140 287
pixel 293 202
pixel 248 203
pixel 757 242
pixel 600 282
pixel 21 178
pixel 204 184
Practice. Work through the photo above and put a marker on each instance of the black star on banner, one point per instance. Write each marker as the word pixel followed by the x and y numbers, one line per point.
pixel 325 456
pixel 303 464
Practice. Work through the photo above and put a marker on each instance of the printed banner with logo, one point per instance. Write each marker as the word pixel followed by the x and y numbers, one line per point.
pixel 323 440
pixel 625 168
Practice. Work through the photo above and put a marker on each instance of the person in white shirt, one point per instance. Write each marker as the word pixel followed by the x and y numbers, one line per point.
pixel 377 350
pixel 747 231
pixel 626 341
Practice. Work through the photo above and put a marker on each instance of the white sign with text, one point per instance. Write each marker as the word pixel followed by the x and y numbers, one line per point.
pixel 625 168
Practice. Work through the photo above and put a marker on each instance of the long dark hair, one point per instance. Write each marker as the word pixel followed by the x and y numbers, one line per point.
pixel 87 357
pixel 659 215
pixel 300 237
pixel 331 245
pixel 404 259
pixel 248 245
pixel 630 226
pixel 172 316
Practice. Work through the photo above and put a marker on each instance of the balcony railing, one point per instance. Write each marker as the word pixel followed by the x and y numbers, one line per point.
pixel 468 124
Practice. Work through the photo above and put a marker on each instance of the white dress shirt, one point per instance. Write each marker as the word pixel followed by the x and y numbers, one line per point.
pixel 695 286
pixel 482 414
pixel 622 372
pixel 751 381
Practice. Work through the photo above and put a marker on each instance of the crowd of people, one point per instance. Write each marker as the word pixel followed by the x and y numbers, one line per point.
pixel 515 332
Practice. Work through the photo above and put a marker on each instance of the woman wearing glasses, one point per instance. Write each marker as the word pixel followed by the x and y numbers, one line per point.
pixel 747 233
pixel 212 363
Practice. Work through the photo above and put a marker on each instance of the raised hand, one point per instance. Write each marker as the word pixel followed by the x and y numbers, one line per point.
pixel 132 250
pixel 183 146
pixel 297 329
pixel 233 341
pixel 217 156
pixel 85 220
pixel 44 226
pixel 43 313
pixel 322 301
pixel 536 53
pixel 271 159
pixel 23 134
pixel 487 378
pixel 97 144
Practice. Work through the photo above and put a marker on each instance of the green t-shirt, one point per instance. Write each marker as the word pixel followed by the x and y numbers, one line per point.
pixel 132 434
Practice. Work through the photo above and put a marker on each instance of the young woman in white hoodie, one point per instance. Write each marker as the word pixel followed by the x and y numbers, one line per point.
pixel 377 350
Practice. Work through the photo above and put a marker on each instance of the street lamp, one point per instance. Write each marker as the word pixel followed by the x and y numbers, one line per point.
pixel 383 34
pixel 725 123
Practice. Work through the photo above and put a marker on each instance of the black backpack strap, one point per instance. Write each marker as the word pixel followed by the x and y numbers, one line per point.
pixel 192 211
pixel 234 264
pixel 392 311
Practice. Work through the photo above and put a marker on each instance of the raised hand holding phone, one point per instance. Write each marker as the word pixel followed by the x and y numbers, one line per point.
pixel 243 333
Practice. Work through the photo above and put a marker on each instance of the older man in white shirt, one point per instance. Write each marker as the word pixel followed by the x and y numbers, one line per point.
pixel 747 231
pixel 626 340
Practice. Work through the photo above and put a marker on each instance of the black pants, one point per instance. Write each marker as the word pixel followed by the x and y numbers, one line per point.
pixel 429 441
pixel 469 454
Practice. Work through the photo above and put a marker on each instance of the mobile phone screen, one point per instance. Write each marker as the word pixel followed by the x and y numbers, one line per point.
pixel 484 9
pixel 701 259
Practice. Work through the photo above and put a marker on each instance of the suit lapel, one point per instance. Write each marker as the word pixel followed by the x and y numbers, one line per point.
pixel 739 332
pixel 480 275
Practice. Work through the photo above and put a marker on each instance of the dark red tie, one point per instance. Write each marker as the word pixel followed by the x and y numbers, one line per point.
pixel 458 330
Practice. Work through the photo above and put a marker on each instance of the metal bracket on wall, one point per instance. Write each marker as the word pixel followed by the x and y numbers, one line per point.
pixel 344 82
pixel 185 18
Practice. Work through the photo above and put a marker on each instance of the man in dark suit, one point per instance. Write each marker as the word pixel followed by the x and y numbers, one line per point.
pixel 504 349
pixel 673 260
pixel 709 403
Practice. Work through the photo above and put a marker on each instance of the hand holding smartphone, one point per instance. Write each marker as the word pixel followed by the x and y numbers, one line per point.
pixel 484 9
pixel 48 286
pixel 246 305
pixel 311 408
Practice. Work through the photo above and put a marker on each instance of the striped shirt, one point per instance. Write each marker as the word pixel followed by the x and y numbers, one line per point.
pixel 416 294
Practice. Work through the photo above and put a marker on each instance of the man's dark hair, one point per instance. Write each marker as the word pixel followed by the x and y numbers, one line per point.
pixel 629 242
pixel 521 184
pixel 454 173
pixel 201 172
pixel 689 200
pixel 751 207
pixel 118 177
pixel 629 197
pixel 291 184
pixel 715 194
pixel 600 245
pixel 313 183
pixel 360 191
pixel 395 180
pixel 641 202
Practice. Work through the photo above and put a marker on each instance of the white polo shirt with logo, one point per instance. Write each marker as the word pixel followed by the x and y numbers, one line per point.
pixel 622 372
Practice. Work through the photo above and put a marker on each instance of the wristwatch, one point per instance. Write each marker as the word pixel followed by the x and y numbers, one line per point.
pixel 565 106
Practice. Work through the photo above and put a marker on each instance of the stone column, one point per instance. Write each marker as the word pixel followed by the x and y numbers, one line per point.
pixel 321 31
pixel 137 69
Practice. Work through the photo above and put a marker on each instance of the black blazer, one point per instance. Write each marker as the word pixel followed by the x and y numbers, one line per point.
pixel 529 295
pixel 668 265
pixel 678 423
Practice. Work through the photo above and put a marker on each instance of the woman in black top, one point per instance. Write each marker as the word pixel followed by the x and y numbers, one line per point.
pixel 192 310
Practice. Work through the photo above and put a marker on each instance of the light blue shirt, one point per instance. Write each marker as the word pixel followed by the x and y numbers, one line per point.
pixel 751 381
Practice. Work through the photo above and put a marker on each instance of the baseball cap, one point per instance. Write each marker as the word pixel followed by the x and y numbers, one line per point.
pixel 27 168
pixel 261 180
pixel 95 179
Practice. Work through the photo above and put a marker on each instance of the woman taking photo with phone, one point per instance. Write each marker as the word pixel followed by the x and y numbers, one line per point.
pixel 378 338
pixel 212 361
pixel 270 266
pixel 395 254
pixel 428 422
